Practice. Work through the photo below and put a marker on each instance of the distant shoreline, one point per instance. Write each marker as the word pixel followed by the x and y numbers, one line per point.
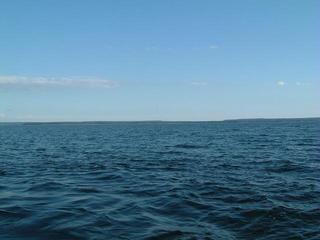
pixel 155 121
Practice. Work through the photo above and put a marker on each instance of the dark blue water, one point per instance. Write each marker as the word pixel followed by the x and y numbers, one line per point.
pixel 254 179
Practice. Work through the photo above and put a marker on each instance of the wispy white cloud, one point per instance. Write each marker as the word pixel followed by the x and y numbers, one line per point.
pixel 281 83
pixel 23 81
pixel 213 46
pixel 2 115
pixel 199 83
pixel 151 48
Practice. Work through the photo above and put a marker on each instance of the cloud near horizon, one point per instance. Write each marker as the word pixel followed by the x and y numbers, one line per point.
pixel 281 83
pixel 199 83
pixel 24 81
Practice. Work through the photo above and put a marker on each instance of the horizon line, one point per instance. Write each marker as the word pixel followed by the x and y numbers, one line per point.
pixel 146 121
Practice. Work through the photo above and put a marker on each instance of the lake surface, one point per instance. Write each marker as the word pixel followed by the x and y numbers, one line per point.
pixel 247 179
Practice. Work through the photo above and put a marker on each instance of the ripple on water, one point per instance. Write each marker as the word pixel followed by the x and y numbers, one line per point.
pixel 214 180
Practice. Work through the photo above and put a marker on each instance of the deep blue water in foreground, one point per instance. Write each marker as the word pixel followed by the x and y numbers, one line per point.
pixel 248 179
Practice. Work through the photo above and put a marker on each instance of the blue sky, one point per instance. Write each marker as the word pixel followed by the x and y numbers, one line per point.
pixel 158 60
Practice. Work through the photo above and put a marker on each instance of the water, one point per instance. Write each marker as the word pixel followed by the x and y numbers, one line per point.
pixel 254 179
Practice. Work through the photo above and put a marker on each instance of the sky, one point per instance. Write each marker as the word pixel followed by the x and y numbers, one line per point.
pixel 129 60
